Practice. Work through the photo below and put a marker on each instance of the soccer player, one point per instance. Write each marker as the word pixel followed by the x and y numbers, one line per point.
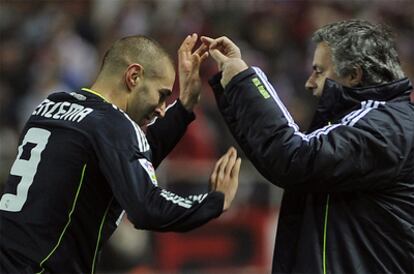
pixel 348 203
pixel 83 161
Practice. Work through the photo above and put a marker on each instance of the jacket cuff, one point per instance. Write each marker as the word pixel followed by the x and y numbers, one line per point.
pixel 215 83
pixel 218 204
pixel 239 77
pixel 187 116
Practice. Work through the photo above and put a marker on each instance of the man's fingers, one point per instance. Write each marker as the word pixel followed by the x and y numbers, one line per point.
pixel 206 40
pixel 191 42
pixel 204 56
pixel 209 42
pixel 218 56
pixel 183 52
pixel 236 169
pixel 217 166
pixel 213 177
pixel 201 50
pixel 184 44
pixel 188 43
pixel 231 162
pixel 213 180
pixel 225 41
pixel 200 54
pixel 222 41
pixel 222 166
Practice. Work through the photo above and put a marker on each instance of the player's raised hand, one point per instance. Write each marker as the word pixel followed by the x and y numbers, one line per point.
pixel 189 71
pixel 227 56
pixel 225 176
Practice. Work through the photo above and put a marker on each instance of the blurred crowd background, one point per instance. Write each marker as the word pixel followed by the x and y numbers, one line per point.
pixel 49 46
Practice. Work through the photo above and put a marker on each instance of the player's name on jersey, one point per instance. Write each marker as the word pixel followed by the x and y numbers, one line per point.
pixel 62 110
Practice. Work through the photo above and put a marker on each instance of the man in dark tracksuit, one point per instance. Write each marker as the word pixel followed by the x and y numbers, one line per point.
pixel 348 205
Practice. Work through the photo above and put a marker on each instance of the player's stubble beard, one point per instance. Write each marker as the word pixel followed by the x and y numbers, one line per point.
pixel 138 107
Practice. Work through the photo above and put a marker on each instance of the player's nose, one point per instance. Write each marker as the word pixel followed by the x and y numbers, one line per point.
pixel 160 110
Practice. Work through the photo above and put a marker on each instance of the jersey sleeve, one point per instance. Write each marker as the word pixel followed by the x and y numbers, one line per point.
pixel 165 133
pixel 124 159
pixel 348 155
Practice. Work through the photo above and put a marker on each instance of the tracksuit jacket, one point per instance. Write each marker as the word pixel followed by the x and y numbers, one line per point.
pixel 348 203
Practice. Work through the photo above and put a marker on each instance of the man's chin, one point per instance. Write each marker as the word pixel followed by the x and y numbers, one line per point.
pixel 316 93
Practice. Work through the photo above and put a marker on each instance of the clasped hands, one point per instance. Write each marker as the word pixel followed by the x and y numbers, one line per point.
pixel 225 176
pixel 224 51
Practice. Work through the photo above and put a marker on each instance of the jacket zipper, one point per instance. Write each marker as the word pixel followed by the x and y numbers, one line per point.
pixel 325 225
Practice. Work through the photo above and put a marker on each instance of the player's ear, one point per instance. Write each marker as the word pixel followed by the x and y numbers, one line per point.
pixel 133 76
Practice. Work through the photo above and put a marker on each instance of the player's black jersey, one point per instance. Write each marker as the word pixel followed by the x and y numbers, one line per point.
pixel 81 163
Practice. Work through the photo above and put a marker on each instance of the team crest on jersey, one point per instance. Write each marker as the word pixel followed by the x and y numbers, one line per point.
pixel 147 165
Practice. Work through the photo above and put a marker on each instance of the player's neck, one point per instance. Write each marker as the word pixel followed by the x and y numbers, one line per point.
pixel 110 94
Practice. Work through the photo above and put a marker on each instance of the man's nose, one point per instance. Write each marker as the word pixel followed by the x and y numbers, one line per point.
pixel 160 110
pixel 311 83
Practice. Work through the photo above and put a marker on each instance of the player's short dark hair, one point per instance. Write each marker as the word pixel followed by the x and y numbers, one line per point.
pixel 135 49
pixel 359 43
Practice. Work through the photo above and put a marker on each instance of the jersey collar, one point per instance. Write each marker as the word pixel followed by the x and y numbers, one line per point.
pixel 95 93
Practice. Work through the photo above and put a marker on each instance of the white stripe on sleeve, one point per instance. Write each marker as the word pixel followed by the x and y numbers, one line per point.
pixel 349 120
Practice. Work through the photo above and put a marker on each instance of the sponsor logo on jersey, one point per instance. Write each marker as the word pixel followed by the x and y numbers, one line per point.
pixel 261 88
pixel 62 111
pixel 149 169
pixel 176 199
pixel 197 198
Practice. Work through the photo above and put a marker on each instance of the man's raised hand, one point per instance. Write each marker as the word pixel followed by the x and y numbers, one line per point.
pixel 227 56
pixel 225 176
pixel 221 49
pixel 189 71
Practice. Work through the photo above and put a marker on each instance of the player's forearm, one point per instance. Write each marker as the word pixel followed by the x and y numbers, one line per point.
pixel 165 211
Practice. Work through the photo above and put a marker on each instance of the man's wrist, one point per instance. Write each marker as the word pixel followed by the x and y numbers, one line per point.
pixel 189 104
pixel 231 68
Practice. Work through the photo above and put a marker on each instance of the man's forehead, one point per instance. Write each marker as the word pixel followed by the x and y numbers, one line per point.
pixel 169 73
pixel 322 48
pixel 323 55
pixel 167 78
pixel 163 71
pixel 166 67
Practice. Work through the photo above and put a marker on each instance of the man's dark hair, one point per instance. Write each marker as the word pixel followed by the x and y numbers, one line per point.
pixel 358 43
pixel 135 49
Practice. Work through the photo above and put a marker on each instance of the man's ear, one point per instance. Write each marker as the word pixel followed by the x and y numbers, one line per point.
pixel 133 75
pixel 355 78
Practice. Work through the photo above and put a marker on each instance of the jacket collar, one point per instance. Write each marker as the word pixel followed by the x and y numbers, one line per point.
pixel 337 100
